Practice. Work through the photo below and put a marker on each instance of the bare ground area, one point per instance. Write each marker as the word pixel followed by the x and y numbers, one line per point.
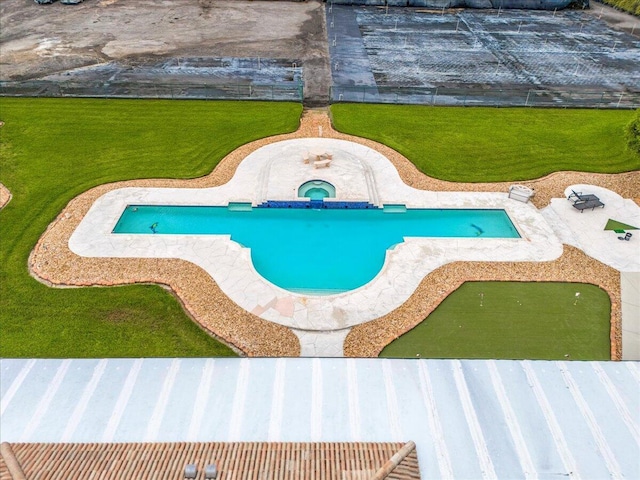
pixel 616 19
pixel 39 40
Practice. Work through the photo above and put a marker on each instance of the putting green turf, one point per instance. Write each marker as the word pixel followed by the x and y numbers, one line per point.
pixel 51 150
pixel 513 320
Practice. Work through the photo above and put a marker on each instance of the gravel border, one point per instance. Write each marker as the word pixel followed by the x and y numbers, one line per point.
pixel 52 262
pixel 368 339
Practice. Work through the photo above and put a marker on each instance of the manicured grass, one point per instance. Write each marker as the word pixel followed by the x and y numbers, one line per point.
pixel 495 144
pixel 513 320
pixel 54 149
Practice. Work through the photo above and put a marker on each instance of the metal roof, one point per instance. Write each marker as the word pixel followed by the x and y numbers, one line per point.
pixel 468 418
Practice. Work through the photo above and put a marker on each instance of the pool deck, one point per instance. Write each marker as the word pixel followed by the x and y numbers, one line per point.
pixel 275 172
pixel 360 170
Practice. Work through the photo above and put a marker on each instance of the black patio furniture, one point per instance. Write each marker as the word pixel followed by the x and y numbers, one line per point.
pixel 580 197
pixel 592 204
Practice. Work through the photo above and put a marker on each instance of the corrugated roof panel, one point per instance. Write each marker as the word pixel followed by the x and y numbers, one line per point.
pixel 469 419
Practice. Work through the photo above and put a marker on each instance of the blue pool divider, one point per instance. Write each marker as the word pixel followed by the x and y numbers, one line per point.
pixel 316 204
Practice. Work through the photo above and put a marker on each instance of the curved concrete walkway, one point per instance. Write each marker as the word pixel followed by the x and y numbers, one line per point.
pixel 275 172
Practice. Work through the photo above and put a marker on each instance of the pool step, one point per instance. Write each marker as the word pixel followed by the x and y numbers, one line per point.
pixel 394 208
pixel 239 206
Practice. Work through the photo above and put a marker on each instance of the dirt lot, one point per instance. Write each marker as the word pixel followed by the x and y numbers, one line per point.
pixel 616 19
pixel 115 36
pixel 39 40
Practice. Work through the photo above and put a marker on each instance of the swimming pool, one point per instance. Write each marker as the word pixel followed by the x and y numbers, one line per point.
pixel 316 251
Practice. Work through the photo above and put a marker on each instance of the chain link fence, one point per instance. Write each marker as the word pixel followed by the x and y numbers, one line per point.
pixel 292 92
pixel 492 97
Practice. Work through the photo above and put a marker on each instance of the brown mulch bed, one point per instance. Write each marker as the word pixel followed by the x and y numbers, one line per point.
pixel 53 262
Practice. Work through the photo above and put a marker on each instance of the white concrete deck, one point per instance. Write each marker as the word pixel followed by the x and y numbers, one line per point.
pixel 586 231
pixel 275 172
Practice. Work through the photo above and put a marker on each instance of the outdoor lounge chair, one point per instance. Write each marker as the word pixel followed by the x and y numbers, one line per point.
pixel 592 204
pixel 579 197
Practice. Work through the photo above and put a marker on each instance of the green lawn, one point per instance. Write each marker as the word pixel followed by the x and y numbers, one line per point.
pixel 513 320
pixel 54 149
pixel 495 144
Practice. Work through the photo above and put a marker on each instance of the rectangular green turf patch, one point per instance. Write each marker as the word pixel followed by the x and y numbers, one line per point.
pixel 513 320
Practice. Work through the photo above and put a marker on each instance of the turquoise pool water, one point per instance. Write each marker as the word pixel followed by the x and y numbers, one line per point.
pixel 322 251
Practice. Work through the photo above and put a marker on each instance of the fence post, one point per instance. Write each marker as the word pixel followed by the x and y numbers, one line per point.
pixel 434 97
pixel 364 92
pixel 526 103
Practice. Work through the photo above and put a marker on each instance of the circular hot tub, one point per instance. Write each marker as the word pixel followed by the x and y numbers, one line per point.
pixel 317 190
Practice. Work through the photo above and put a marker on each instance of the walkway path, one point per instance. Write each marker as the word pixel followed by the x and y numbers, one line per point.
pixel 630 286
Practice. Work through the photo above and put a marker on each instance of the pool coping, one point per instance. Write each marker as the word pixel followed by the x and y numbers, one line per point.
pixel 52 261
pixel 230 265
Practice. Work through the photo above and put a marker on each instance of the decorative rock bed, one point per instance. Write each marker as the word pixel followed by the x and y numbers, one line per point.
pixel 52 262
